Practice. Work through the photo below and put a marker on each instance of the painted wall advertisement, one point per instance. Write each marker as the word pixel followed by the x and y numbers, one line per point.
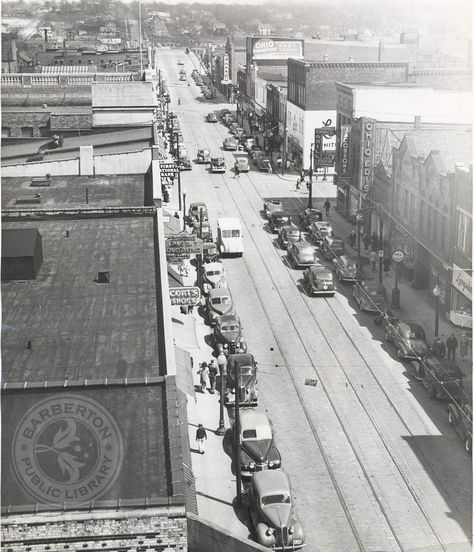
pixel 274 48
pixel 324 147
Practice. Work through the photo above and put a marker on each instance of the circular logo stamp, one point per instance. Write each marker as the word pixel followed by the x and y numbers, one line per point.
pixel 67 449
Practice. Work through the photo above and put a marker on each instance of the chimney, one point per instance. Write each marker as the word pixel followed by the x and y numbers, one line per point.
pixel 325 57
pixel 46 35
pixel 417 122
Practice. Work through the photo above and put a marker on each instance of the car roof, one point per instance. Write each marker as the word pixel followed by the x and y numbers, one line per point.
pixel 317 268
pixel 312 210
pixel 209 245
pixel 244 359
pixel 203 149
pixel 213 266
pixel 412 325
pixel 197 204
pixel 302 245
pixel 252 419
pixel 228 223
pixel 273 202
pixel 217 158
pixel 271 481
pixel 219 292
pixel 225 318
pixel 280 213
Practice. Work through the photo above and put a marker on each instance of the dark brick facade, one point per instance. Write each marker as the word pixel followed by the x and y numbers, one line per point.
pixel 311 86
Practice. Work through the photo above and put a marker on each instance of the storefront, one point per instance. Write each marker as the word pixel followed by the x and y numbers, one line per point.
pixel 461 298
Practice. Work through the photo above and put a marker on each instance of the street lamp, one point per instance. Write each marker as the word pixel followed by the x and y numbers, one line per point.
pixel 436 293
pixel 184 210
pixel 222 363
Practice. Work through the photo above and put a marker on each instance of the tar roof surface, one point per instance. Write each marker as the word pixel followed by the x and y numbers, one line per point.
pixel 78 328
pixel 70 191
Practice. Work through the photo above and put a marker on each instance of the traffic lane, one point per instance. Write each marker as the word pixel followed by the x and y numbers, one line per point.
pixel 397 480
pixel 316 501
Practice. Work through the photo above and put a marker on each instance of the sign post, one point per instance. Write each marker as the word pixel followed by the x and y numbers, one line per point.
pixel 397 257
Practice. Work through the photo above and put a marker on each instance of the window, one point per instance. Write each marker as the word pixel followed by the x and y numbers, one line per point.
pixel 405 203
pixel 444 237
pixel 5 132
pixel 421 218
pixel 429 221
pixel 412 207
pixel 27 132
pixel 464 233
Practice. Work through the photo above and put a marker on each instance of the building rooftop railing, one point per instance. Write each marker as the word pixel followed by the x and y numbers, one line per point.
pixel 63 79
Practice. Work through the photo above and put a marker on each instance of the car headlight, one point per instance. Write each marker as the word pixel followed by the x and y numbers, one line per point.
pixel 271 463
pixel 251 465
pixel 291 530
pixel 226 346
pixel 297 541
pixel 269 531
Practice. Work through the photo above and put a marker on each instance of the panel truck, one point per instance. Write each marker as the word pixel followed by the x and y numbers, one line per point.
pixel 229 236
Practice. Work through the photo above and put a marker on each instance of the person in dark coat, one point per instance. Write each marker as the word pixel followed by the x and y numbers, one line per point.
pixel 367 241
pixel 452 345
pixel 212 376
pixel 438 348
pixel 375 241
pixel 200 436
pixel 327 206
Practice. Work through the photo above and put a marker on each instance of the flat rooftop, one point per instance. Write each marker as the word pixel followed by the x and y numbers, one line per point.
pixel 70 191
pixel 80 329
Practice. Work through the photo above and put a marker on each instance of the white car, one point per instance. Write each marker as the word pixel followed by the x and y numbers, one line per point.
pixel 213 275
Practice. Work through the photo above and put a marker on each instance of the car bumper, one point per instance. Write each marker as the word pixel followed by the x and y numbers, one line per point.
pixel 323 291
pixel 218 170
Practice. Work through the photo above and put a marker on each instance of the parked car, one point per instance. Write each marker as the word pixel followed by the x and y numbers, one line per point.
pixel 460 417
pixel 210 253
pixel 272 206
pixel 442 378
pixel 257 443
pixel 370 295
pixel 319 230
pixel 224 113
pixel 247 142
pixel 185 164
pixel 202 230
pixel 213 276
pixel 203 156
pixel 228 335
pixel 277 220
pixel 318 280
pixel 211 118
pixel 242 372
pixel 256 155
pixel 217 165
pixel 272 513
pixel 346 269
pixel 197 209
pixel 332 247
pixel 308 216
pixel 241 164
pixel 218 302
pixel 230 144
pixel 289 234
pixel 239 132
pixel 264 164
pixel 301 254
pixel 408 339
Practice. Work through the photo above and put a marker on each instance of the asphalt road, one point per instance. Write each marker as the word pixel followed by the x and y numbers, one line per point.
pixel 372 461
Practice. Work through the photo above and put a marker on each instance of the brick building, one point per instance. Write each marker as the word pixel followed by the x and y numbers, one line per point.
pixel 312 96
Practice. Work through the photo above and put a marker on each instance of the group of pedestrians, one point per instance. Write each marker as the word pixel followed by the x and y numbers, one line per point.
pixel 208 376
pixel 439 348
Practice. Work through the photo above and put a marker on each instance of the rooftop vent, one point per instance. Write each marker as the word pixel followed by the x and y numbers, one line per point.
pixel 32 200
pixel 103 277
pixel 40 181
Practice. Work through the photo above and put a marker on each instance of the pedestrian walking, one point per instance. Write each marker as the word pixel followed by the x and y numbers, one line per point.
pixel 236 170
pixel 327 206
pixel 373 259
pixel 204 376
pixel 176 215
pixel 200 436
pixel 352 238
pixel 298 181
pixel 438 348
pixel 463 345
pixel 452 345
pixel 279 161
pixel 212 376
pixel 367 241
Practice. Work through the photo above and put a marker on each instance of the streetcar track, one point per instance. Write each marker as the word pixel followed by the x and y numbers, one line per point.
pixel 370 417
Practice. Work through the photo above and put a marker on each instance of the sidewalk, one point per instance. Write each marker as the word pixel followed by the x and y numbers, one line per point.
pixel 215 482
pixel 415 304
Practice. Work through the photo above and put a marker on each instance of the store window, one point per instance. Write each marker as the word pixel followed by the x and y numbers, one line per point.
pixel 464 233
pixel 27 132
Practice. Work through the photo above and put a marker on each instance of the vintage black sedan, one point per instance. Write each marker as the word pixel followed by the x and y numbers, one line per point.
pixel 442 378
pixel 370 295
pixel 408 339
pixel 258 451
pixel 228 335
pixel 242 378
pixel 272 513
pixel 277 220
pixel 308 216
pixel 218 302
pixel 301 254
pixel 272 206
pixel 318 281
pixel 289 234
pixel 210 253
pixel 346 269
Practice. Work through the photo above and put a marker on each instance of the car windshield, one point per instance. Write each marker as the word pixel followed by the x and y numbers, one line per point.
pixel 213 272
pixel 293 233
pixel 248 434
pixel 281 218
pixel 275 499
pixel 230 328
pixel 307 251
pixel 246 370
pixel 231 233
pixel 221 301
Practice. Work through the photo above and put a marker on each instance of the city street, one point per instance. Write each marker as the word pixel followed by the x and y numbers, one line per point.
pixel 372 460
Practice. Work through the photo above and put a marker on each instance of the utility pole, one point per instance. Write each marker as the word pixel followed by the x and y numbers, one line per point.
pixel 179 173
pixel 310 198
pixel 140 36
pixel 380 248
